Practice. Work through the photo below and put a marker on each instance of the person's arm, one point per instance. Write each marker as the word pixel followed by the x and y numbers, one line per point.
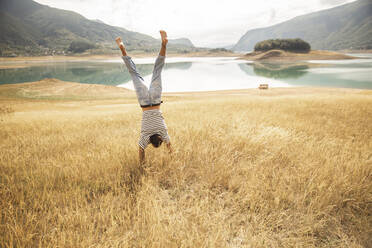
pixel 170 150
pixel 141 153
pixel 166 140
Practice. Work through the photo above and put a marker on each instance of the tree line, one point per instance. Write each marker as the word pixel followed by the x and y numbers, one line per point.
pixel 295 45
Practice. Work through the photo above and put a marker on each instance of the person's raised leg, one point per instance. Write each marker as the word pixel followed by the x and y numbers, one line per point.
pixel 121 46
pixel 141 89
pixel 164 41
pixel 156 87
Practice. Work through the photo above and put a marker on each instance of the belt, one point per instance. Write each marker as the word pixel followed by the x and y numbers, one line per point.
pixel 151 105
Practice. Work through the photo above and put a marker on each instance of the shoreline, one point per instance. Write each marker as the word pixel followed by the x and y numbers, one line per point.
pixel 84 57
pixel 111 56
pixel 278 56
pixel 368 51
pixel 54 89
pixel 22 62
pixel 272 56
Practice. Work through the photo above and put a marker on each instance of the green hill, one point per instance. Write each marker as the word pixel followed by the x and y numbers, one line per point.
pixel 345 27
pixel 30 28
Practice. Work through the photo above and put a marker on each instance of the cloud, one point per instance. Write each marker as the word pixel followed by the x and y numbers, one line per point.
pixel 333 2
pixel 272 15
pixel 205 22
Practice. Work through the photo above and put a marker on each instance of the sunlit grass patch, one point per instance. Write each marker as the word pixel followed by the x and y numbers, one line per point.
pixel 286 168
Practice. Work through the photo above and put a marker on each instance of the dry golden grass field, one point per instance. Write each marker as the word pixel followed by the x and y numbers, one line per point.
pixel 277 168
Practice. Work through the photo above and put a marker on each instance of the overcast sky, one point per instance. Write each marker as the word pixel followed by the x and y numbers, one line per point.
pixel 204 22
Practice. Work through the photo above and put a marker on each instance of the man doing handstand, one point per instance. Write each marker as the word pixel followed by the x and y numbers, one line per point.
pixel 153 128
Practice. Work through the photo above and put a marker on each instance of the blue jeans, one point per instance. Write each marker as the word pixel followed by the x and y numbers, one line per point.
pixel 146 96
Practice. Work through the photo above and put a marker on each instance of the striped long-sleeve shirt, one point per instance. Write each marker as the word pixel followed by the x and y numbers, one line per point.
pixel 152 123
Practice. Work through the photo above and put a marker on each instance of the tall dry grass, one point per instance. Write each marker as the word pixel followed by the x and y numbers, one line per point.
pixel 287 168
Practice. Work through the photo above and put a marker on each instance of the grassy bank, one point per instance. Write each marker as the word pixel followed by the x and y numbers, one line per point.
pixel 277 168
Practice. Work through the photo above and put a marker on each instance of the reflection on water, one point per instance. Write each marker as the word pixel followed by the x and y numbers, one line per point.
pixel 204 74
pixel 82 72
pixel 329 73
pixel 97 73
pixel 280 71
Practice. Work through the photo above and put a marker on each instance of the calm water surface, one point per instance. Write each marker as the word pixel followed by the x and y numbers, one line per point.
pixel 202 74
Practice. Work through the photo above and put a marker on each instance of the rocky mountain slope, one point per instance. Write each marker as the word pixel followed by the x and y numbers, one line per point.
pixel 30 28
pixel 347 26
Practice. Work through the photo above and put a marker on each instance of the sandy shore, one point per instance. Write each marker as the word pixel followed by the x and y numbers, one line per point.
pixel 19 62
pixel 356 51
pixel 283 56
pixel 269 56
pixel 54 89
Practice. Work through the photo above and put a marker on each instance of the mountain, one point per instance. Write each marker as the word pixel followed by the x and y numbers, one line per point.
pixel 181 41
pixel 98 20
pixel 30 28
pixel 347 26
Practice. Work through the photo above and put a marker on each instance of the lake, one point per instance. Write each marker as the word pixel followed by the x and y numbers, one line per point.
pixel 204 74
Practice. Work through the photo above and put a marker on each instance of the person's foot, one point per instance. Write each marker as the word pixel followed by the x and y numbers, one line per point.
pixel 119 42
pixel 164 39
pixel 121 46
